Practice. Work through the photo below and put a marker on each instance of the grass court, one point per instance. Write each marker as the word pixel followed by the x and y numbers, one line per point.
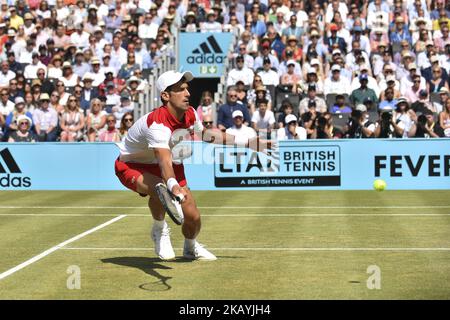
pixel 269 244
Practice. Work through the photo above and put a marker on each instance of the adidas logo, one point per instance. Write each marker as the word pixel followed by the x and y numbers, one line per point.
pixel 208 52
pixel 11 179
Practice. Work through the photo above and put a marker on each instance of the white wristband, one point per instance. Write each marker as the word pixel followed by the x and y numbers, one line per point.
pixel 172 182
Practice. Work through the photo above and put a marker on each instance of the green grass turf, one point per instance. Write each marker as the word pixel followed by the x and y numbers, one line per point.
pixel 268 271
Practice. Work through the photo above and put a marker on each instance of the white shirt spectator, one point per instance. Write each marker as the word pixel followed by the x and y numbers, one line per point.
pixel 269 78
pixel 7 108
pixel 121 55
pixel 245 75
pixel 342 86
pixel 80 40
pixel 263 122
pixel 283 133
pixel 4 78
pixel 211 27
pixel 30 71
pixel 242 134
pixel 148 31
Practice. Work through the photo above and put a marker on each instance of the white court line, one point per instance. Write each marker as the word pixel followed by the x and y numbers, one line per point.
pixel 235 207
pixel 238 215
pixel 58 246
pixel 268 249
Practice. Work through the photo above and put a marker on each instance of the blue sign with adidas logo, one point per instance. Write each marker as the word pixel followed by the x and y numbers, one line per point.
pixel 203 54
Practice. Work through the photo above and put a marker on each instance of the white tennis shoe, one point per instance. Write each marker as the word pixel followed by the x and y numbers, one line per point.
pixel 197 252
pixel 163 246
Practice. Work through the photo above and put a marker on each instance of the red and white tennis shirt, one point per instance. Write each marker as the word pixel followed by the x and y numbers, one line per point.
pixel 155 130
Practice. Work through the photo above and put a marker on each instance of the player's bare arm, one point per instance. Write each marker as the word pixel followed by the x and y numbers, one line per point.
pixel 164 157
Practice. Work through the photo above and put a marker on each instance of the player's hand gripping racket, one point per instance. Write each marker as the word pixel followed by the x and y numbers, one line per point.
pixel 171 203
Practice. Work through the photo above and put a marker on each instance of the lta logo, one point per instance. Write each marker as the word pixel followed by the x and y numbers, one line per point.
pixel 14 177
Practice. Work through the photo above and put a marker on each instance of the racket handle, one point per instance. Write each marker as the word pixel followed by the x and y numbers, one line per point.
pixel 179 198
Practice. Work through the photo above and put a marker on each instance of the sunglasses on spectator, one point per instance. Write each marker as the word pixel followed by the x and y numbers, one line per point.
pixel 41 74
pixel 111 120
pixel 60 85
pixel 128 119
pixel 72 100
pixel 77 91
pixel 207 123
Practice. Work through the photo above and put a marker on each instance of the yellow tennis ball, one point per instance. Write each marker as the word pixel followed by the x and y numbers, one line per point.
pixel 379 185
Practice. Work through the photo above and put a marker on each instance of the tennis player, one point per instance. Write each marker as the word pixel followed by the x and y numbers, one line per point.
pixel 146 160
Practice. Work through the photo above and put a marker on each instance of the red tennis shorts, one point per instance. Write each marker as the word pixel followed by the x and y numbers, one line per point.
pixel 129 172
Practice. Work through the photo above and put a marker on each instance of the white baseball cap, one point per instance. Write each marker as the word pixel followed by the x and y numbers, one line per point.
pixel 237 113
pixel 336 67
pixel 289 118
pixel 169 78
pixel 361 108
pixel 19 100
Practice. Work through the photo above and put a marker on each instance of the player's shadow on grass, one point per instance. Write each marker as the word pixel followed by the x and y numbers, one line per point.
pixel 149 266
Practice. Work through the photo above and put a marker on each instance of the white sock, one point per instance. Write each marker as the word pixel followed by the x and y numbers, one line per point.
pixel 190 243
pixel 160 224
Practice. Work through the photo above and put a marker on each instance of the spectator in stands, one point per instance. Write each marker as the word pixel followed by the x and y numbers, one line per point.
pixel 262 58
pixel 363 93
pixel 23 132
pixel 268 75
pixel 359 125
pixel 206 105
pixel 290 78
pixel 340 106
pixel 336 84
pixel 291 130
pixel 423 126
pixel 125 124
pixel 443 97
pixel 444 119
pixel 224 117
pixel 111 134
pixel 427 73
pixel 190 23
pixel 239 129
pixel 335 39
pixel 241 73
pixel 286 108
pixel 251 93
pixel 409 83
pixel 389 81
pixel 401 120
pixel 242 92
pixel 11 123
pixel 388 101
pixel 325 128
pixel 125 105
pixel 423 103
pixel 260 94
pixel 72 121
pixel 211 24
pixel 320 104
pixel 45 120
pixel 371 82
pixel 69 78
pixel 88 93
pixel 127 69
pixel 437 81
pixel 95 121
pixel 54 102
pixel 292 30
pixel 6 75
pixel 263 120
pixel 6 105
pixel 412 93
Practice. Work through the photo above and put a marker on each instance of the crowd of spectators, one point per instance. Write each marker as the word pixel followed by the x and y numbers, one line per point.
pixel 71 70
pixel 344 68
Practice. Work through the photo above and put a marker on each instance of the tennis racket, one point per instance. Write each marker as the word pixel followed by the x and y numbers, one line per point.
pixel 171 203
